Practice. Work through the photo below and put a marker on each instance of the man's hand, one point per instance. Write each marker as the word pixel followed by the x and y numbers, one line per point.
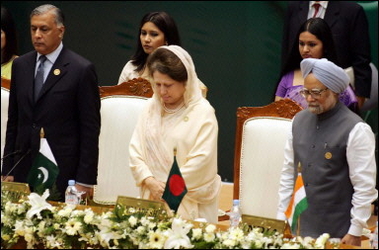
pixel 361 101
pixel 8 178
pixel 88 191
pixel 352 240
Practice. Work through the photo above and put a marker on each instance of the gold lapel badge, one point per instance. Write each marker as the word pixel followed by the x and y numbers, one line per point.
pixel 57 72
pixel 328 155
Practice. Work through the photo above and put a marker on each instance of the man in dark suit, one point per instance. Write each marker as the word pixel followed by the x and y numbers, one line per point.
pixel 349 26
pixel 67 106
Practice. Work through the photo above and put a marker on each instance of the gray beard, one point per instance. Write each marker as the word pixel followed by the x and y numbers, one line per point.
pixel 316 110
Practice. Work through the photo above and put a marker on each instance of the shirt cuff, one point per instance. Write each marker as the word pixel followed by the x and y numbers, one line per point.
pixel 355 230
pixel 281 216
pixel 85 185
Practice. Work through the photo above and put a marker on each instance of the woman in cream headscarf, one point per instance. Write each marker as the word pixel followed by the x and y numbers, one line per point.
pixel 177 118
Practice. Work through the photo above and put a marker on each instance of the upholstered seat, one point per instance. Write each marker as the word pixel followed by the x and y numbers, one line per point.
pixel 225 200
pixel 5 85
pixel 120 109
pixel 261 133
pixel 372 102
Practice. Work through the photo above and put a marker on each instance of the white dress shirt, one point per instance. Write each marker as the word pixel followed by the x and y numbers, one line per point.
pixel 321 10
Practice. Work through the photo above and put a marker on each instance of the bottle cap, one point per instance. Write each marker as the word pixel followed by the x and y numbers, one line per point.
pixel 71 182
pixel 236 202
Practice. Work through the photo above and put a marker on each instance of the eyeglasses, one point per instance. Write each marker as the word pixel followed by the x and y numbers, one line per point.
pixel 315 93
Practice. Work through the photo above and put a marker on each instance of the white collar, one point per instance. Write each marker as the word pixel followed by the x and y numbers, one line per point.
pixel 323 4
pixel 52 57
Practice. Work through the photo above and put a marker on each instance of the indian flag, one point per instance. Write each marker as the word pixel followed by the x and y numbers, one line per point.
pixel 298 203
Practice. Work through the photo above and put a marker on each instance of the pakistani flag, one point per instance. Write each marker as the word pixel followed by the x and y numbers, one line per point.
pixel 175 187
pixel 44 170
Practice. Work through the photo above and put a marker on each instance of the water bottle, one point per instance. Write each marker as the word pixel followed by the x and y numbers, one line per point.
pixel 374 242
pixel 71 194
pixel 235 214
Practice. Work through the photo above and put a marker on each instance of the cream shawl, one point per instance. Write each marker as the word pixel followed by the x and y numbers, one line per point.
pixel 192 132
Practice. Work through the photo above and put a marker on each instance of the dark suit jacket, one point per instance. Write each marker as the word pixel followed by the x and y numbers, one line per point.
pixel 68 109
pixel 349 26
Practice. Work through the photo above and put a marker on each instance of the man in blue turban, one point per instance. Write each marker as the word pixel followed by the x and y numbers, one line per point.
pixel 336 151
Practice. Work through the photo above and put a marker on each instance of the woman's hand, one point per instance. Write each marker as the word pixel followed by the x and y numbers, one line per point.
pixel 156 188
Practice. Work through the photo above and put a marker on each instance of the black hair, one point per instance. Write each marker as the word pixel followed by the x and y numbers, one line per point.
pixel 319 28
pixel 166 24
pixel 9 28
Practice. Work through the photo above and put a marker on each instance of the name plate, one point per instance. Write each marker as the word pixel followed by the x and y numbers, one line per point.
pixel 14 191
pixel 268 225
pixel 147 207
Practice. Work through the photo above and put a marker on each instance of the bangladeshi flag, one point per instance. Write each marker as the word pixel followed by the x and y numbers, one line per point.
pixel 175 187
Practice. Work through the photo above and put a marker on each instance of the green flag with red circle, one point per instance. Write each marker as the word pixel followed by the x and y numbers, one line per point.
pixel 175 187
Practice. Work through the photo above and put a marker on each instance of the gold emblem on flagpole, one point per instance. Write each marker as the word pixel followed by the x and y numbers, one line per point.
pixel 57 72
pixel 299 167
pixel 42 133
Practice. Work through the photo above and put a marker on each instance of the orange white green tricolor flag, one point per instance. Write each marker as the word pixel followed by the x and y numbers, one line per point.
pixel 298 203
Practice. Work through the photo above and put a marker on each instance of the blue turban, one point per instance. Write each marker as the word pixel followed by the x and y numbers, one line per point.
pixel 329 74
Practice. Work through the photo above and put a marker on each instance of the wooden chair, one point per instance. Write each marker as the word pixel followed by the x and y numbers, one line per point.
pixel 261 133
pixel 135 87
pixel 120 109
pixel 5 87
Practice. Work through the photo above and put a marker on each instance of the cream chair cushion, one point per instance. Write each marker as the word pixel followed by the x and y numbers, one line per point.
pixel 4 117
pixel 119 115
pixel 262 156
pixel 225 199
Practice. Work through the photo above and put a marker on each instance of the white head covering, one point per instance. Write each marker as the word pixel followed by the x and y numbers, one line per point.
pixel 156 152
pixel 193 92
pixel 329 74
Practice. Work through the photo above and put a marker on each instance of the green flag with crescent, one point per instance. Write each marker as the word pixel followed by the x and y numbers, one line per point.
pixel 44 170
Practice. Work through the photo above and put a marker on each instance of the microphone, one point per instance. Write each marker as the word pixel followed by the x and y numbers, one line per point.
pixel 10 154
pixel 15 165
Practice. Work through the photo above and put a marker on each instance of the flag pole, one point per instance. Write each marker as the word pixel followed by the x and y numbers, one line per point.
pixel 298 219
pixel 298 227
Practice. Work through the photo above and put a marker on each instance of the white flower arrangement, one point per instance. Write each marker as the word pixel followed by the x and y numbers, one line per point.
pixel 42 225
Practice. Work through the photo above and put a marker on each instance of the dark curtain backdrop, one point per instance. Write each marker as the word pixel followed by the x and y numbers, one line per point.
pixel 235 47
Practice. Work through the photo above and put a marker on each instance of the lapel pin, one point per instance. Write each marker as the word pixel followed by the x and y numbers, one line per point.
pixel 328 155
pixel 57 72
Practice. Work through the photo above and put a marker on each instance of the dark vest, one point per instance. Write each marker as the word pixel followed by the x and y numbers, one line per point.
pixel 319 143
